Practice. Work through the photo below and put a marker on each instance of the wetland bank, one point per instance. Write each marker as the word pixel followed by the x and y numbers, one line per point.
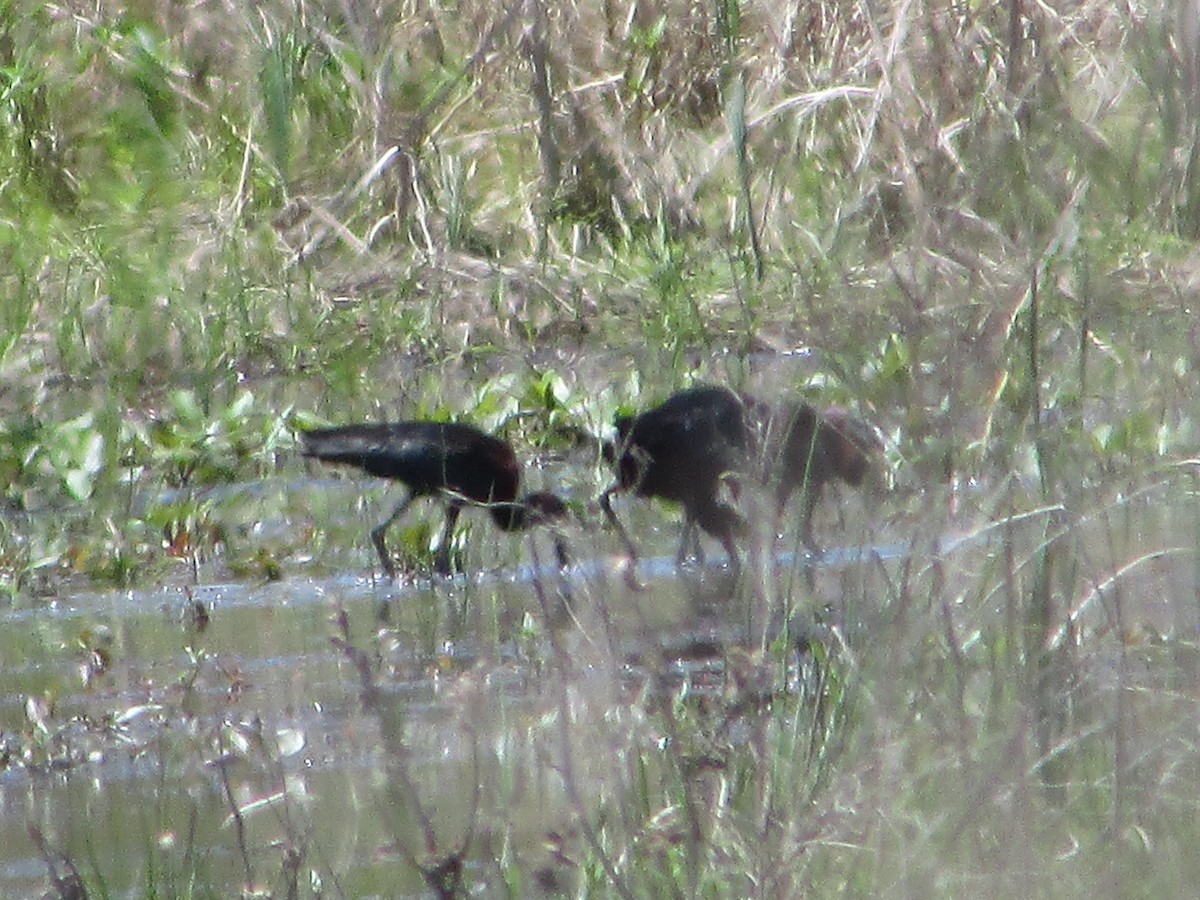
pixel 973 227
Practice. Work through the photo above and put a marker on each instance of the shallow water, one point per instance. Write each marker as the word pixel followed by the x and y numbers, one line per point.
pixel 135 729
pixel 124 762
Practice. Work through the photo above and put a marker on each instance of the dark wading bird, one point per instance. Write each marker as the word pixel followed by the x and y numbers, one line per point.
pixel 803 450
pixel 464 465
pixel 701 438
pixel 683 450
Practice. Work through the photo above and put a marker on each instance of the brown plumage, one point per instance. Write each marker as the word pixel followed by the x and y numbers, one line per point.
pixel 802 450
pixel 697 440
pixel 683 450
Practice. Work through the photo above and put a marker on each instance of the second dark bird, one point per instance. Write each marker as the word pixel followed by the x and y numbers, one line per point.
pixel 706 437
pixel 802 450
pixel 684 450
pixel 461 463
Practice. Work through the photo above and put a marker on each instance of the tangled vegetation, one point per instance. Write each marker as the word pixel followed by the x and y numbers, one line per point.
pixel 975 224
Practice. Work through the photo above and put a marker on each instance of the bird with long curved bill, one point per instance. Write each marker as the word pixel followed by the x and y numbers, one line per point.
pixel 684 450
pixel 463 465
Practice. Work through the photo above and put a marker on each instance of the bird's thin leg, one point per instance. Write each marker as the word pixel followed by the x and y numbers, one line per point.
pixel 806 529
pixel 776 533
pixel 689 543
pixel 561 556
pixel 684 537
pixel 441 559
pixel 606 505
pixel 378 532
pixel 735 561
pixel 806 536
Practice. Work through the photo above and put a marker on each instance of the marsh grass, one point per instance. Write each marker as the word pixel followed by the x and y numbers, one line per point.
pixel 973 223
pixel 1016 708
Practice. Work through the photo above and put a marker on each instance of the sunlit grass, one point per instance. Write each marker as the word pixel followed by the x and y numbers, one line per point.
pixel 973 229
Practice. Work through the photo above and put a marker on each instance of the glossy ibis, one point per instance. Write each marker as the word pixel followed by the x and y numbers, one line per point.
pixel 803 450
pixel 466 466
pixel 683 450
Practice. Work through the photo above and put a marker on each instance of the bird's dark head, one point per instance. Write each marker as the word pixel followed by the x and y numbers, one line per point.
pixel 531 510
pixel 850 443
pixel 543 506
